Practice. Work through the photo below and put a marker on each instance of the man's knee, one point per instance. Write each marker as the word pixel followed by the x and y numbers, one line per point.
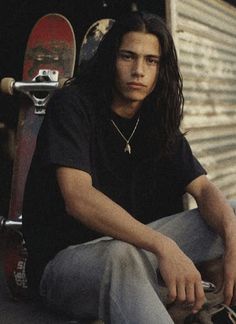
pixel 123 255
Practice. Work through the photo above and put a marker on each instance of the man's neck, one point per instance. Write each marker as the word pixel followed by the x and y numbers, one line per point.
pixel 128 110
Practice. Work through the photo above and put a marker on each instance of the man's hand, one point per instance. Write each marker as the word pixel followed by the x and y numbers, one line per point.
pixel 230 276
pixel 181 277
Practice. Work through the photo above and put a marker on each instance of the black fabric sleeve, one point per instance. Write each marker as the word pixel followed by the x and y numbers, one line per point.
pixel 64 138
pixel 185 165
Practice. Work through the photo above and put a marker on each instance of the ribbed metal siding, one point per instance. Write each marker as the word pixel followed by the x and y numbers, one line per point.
pixel 205 35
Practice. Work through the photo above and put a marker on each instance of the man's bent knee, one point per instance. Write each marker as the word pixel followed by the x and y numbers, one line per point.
pixel 124 255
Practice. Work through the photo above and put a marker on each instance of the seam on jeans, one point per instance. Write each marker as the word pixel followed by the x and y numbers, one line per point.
pixel 124 321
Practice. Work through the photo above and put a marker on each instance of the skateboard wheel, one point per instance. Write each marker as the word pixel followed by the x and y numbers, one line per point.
pixel 7 85
pixel 2 222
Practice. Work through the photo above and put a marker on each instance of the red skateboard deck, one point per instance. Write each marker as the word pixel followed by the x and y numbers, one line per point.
pixel 50 55
pixel 51 45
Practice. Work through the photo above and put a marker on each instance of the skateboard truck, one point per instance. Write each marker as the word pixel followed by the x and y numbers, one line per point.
pixel 39 90
pixel 208 286
pixel 10 224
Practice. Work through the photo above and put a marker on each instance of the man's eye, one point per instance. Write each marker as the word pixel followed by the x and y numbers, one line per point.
pixel 126 56
pixel 152 61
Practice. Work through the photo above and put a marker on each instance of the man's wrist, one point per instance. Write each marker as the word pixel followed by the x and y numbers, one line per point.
pixel 230 244
pixel 160 244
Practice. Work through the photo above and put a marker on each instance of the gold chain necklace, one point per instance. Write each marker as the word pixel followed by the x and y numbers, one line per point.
pixel 127 146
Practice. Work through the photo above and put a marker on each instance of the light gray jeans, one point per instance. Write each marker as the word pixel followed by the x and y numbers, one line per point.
pixel 114 281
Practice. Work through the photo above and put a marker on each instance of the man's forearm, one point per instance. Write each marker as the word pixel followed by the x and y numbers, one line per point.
pixel 100 213
pixel 219 215
pixel 217 212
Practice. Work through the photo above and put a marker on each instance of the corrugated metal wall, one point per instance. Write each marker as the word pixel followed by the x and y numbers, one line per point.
pixel 205 36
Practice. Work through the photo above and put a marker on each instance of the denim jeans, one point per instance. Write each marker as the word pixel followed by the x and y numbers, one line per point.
pixel 114 281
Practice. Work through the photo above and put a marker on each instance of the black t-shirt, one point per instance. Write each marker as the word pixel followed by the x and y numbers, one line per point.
pixel 76 134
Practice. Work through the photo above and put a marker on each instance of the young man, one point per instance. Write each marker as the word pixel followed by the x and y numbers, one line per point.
pixel 110 166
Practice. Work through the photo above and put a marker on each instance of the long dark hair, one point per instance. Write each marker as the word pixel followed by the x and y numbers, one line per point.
pixel 166 100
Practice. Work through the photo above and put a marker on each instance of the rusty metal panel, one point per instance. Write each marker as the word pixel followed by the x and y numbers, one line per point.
pixel 205 36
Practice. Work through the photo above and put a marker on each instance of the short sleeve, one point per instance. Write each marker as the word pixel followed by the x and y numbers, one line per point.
pixel 185 165
pixel 64 137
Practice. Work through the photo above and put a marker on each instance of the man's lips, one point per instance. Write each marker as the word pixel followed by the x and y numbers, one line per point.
pixel 136 84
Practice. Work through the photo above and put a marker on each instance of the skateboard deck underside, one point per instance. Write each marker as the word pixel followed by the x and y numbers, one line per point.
pixel 51 45
pixel 93 37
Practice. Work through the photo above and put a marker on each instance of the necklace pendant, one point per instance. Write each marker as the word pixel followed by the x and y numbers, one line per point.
pixel 127 148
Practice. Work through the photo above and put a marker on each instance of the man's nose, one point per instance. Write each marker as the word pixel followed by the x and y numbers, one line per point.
pixel 138 67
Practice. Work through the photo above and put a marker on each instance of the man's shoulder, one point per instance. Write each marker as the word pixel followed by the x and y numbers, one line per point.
pixel 71 99
pixel 72 93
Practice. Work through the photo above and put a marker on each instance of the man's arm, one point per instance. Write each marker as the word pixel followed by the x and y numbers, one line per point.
pixel 100 213
pixel 220 216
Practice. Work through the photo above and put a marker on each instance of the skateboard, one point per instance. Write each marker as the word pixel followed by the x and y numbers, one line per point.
pixel 93 37
pixel 49 60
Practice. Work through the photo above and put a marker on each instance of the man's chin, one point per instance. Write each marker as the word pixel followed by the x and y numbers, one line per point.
pixel 130 98
pixel 136 98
